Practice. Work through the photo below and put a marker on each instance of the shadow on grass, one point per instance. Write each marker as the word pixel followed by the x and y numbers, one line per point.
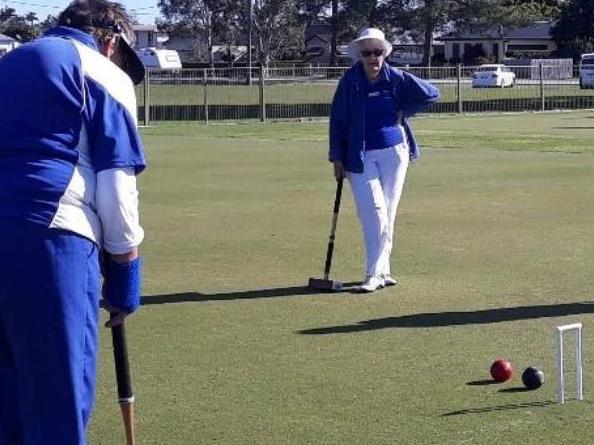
pixel 186 297
pixel 516 389
pixel 574 128
pixel 488 409
pixel 441 319
pixel 482 382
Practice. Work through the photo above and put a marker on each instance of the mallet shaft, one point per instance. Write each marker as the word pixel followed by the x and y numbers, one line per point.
pixel 330 250
pixel 124 380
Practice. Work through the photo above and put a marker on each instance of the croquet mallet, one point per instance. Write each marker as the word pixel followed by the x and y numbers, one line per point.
pixel 124 380
pixel 325 283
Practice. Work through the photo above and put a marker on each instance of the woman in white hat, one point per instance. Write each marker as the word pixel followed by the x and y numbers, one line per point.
pixel 371 143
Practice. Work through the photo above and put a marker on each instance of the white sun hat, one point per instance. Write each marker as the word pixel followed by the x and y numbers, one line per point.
pixel 369 34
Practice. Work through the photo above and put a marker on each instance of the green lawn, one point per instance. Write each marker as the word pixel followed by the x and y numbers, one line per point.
pixel 308 93
pixel 494 249
pixel 239 94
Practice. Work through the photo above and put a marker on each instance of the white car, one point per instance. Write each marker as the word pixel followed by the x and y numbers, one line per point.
pixel 493 76
pixel 587 71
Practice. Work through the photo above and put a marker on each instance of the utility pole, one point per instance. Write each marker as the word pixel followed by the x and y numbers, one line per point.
pixel 249 48
pixel 334 38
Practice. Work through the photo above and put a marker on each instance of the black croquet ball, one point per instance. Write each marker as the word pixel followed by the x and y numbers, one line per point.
pixel 533 378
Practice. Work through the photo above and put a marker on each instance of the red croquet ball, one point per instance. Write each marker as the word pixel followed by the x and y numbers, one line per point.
pixel 501 370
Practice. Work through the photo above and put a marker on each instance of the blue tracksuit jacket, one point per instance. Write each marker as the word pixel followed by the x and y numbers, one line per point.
pixel 347 118
pixel 66 114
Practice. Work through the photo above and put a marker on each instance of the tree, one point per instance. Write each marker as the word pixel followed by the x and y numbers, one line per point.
pixel 358 14
pixel 7 17
pixel 430 16
pixel 31 18
pixel 346 18
pixel 226 16
pixel 274 23
pixel 537 9
pixel 312 10
pixel 322 11
pixel 334 38
pixel 574 31
pixel 190 17
pixel 275 26
pixel 49 21
pixel 424 17
pixel 16 26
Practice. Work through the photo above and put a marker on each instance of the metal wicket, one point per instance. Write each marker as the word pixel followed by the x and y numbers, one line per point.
pixel 560 330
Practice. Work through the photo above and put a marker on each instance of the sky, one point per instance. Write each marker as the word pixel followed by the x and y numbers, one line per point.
pixel 145 10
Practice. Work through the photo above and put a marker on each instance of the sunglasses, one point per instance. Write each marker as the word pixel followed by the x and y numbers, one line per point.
pixel 369 53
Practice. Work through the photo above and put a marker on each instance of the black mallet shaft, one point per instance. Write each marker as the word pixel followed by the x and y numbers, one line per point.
pixel 325 283
pixel 124 381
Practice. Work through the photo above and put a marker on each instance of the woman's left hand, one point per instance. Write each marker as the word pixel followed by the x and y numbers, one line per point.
pixel 338 170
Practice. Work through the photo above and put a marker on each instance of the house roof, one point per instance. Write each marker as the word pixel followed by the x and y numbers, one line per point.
pixel 318 29
pixel 318 37
pixel 152 28
pixel 408 38
pixel 4 38
pixel 535 31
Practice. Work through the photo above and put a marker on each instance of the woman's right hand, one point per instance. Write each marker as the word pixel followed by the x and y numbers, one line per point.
pixel 338 170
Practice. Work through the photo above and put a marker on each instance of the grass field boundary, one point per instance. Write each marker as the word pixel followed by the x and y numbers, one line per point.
pixel 275 93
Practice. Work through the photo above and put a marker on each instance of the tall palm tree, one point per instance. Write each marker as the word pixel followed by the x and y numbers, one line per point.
pixel 31 17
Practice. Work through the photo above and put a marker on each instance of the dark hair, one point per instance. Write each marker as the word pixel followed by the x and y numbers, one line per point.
pixel 100 18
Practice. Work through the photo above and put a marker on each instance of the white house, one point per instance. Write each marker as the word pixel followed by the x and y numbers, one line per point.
pixel 7 44
pixel 533 41
pixel 149 36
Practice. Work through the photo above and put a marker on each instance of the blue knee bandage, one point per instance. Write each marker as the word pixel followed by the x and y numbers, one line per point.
pixel 122 284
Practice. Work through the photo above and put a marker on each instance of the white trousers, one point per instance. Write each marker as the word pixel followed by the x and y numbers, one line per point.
pixel 377 193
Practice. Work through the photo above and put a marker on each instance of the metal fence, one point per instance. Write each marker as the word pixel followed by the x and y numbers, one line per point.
pixel 203 95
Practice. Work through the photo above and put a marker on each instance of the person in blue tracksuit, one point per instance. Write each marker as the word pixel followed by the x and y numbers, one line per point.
pixel 371 143
pixel 69 156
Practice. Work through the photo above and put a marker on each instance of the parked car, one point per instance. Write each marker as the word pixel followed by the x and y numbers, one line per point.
pixel 496 75
pixel 587 71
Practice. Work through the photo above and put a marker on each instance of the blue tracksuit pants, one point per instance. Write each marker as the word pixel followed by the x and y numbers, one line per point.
pixel 49 304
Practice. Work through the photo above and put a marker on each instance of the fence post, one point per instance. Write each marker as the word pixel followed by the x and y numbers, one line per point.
pixel 262 96
pixel 205 83
pixel 542 92
pixel 459 83
pixel 147 102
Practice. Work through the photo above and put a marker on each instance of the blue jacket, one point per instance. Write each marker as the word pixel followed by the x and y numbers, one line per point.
pixel 347 118
pixel 65 99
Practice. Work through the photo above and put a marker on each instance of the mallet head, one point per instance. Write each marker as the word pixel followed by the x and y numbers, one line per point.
pixel 325 285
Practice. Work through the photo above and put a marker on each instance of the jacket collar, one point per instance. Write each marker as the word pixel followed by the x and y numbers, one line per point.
pixel 361 78
pixel 74 34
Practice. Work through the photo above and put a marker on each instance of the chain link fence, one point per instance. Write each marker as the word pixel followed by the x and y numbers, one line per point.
pixel 235 94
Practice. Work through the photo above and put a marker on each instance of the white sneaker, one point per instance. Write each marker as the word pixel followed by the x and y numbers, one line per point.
pixel 372 283
pixel 389 281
